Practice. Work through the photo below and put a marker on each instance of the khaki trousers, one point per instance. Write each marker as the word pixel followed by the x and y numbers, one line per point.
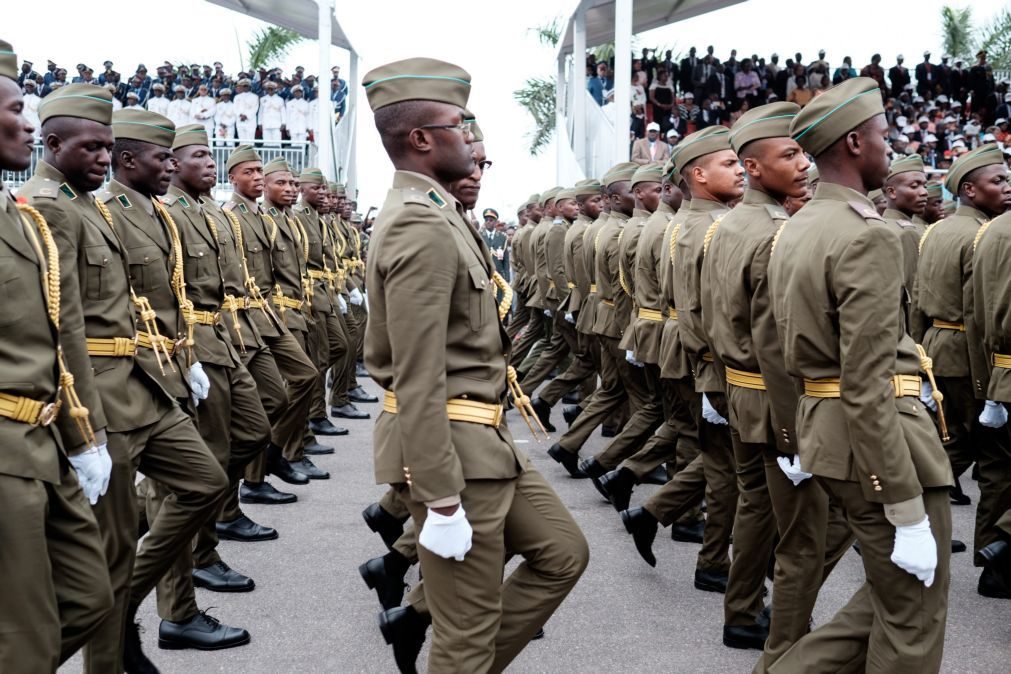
pixel 646 402
pixel 330 347
pixel 534 331
pixel 293 359
pixel 563 342
pixel 479 622
pixel 606 401
pixel 56 589
pixel 274 397
pixel 893 623
pixel 343 373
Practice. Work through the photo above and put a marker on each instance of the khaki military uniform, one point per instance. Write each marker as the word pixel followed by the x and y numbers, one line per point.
pixel 909 235
pixel 56 583
pixel 146 429
pixel 344 378
pixel 517 257
pixel 355 275
pixel 836 296
pixel 290 358
pixel 990 295
pixel 430 274
pixel 538 328
pixel 762 398
pixel 231 420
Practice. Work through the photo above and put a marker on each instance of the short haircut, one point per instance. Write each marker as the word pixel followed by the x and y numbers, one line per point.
pixel 397 120
pixel 130 145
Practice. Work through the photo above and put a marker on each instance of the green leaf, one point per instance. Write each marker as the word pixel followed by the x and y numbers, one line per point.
pixel 270 45
pixel 956 32
pixel 538 97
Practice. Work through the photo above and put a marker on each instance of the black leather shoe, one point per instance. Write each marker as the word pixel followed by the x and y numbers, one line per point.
pixel 745 636
pixel 279 466
pixel 709 581
pixel 688 533
pixel 991 585
pixel 642 525
pixel 957 546
pixel 958 497
pixel 765 617
pixel 608 431
pixel 325 427
pixel 656 476
pixel 201 632
pixel 404 629
pixel 348 411
pixel 995 581
pixel 617 486
pixel 134 660
pixel 383 523
pixel 570 413
pixel 263 493
pixel 360 395
pixel 592 468
pixel 314 448
pixel 360 371
pixel 539 634
pixel 568 460
pixel 244 530
pixel 309 469
pixel 219 577
pixel 543 412
pixel 385 575
pixel 572 398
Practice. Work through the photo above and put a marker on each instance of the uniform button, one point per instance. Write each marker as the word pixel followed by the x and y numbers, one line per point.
pixel 874 477
pixel 877 488
pixel 147 259
pixel 200 254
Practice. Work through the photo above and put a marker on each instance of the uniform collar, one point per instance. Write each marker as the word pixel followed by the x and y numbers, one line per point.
pixel 250 204
pixel 620 216
pixel 837 192
pixel 706 205
pixel 664 207
pixel 894 214
pixel 758 198
pixel 133 195
pixel 971 212
pixel 640 213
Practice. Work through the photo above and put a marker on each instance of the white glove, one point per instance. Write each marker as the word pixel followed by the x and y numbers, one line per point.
pixel 200 385
pixel 342 304
pixel 926 397
pixel 710 414
pixel 630 357
pixel 569 318
pixel 93 468
pixel 549 313
pixel 792 469
pixel 915 551
pixel 356 297
pixel 448 537
pixel 994 415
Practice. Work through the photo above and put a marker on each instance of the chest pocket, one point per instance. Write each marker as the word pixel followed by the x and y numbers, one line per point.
pixel 200 261
pixel 480 299
pixel 254 257
pixel 11 292
pixel 147 268
pixel 280 254
pixel 98 279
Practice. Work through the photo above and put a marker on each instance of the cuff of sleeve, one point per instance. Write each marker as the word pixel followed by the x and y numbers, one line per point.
pixel 905 513
pixel 444 502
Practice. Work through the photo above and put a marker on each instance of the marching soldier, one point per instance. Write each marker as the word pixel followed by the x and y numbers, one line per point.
pixel 521 269
pixel 464 481
pixel 863 433
pixel 56 582
pixel 905 193
pixel 538 326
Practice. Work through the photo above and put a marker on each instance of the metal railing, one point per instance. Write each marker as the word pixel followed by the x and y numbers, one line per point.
pixel 297 154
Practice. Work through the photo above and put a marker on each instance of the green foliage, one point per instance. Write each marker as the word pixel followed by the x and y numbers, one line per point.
pixel 549 34
pixel 270 45
pixel 995 38
pixel 538 97
pixel 956 31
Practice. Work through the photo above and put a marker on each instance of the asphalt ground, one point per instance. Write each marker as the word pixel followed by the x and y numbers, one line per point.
pixel 312 613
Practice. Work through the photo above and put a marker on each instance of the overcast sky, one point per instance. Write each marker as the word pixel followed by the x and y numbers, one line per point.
pixel 491 40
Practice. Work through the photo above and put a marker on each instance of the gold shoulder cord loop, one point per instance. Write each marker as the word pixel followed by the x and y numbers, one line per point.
pixel 179 280
pixel 50 263
pixel 775 238
pixel 147 314
pixel 979 234
pixel 621 272
pixel 299 231
pixel 249 281
pixel 229 303
pixel 674 242
pixel 710 233
pixel 927 233
pixel 927 365
pixel 507 295
pixel 522 402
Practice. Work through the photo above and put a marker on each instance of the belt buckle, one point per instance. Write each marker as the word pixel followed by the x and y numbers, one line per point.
pixel 498 416
pixel 47 414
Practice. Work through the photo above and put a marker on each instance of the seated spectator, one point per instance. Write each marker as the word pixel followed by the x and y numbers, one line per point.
pixel 800 95
pixel 688 115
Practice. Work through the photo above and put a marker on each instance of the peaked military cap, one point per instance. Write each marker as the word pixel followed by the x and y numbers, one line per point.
pixel 143 125
pixel 835 113
pixel 84 101
pixel 417 79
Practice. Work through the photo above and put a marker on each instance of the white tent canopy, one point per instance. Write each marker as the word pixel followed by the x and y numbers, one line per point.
pixel 315 19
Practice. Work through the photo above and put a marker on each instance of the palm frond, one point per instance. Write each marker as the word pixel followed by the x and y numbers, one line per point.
pixel 270 45
pixel 956 31
pixel 995 38
pixel 548 34
pixel 538 97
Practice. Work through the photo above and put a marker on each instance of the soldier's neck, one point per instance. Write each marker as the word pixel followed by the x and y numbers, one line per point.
pixel 185 189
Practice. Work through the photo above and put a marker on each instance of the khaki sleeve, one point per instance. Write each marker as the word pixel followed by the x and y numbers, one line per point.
pixel 555 252
pixel 979 369
pixel 867 286
pixel 66 229
pixel 418 273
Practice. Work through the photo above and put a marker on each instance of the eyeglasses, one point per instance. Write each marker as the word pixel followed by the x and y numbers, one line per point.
pixel 464 127
pixel 484 165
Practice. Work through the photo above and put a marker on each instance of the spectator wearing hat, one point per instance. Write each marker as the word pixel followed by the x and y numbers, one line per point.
pixel 158 102
pixel 179 108
pixel 27 73
pixel 296 115
pixel 203 109
pixel 651 148
pixel 925 77
pixel 31 106
pixel 133 101
pixel 898 76
pixel 338 92
pixel 271 115
pixel 688 114
pixel 224 118
pixel 247 106
pixel 673 137
pixel 980 83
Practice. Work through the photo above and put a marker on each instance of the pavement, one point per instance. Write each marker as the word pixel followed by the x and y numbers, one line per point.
pixel 312 613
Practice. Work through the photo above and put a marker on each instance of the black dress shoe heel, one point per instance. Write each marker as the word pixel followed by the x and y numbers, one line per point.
pixel 745 637
pixel 642 525
pixel 263 493
pixel 244 530
pixel 688 533
pixel 219 577
pixel 568 460
pixel 315 448
pixel 201 632
pixel 385 575
pixel 543 412
pixel 709 581
pixel 404 629
pixel 326 427
pixel 570 413
pixel 309 469
pixel 279 466
pixel 617 487
pixel 383 523
pixel 348 411
pixel 360 395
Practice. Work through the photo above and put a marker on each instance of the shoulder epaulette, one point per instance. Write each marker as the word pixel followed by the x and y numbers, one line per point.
pixel 413 196
pixel 105 196
pixel 48 189
pixel 170 199
pixel 229 206
pixel 864 211
pixel 776 212
pixel 717 215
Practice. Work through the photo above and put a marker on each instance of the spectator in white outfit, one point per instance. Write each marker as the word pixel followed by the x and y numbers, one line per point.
pixel 157 102
pixel 224 118
pixel 247 104
pixel 202 110
pixel 271 115
pixel 179 108
pixel 296 113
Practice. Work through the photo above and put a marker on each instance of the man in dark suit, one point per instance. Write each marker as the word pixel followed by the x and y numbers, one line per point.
pixel 687 71
pixel 925 76
pixel 898 76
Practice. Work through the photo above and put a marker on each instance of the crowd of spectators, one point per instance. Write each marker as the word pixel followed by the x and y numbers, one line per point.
pixel 259 104
pixel 938 110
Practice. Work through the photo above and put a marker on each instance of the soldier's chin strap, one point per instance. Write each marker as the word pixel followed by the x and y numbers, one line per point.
pixel 927 365
pixel 49 260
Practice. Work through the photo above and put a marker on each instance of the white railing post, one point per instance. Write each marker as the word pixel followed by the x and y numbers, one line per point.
pixel 622 78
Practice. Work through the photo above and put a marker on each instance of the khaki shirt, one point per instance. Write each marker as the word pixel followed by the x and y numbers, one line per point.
pixel 991 290
pixel 612 309
pixel 554 255
pixel 288 258
pixel 313 227
pixel 737 318
pixel 673 358
pixel 628 243
pixel 909 236
pixel 258 237
pixel 944 291
pixel 433 335
pixel 538 254
pixel 836 295
pixel 647 329
pixel 588 312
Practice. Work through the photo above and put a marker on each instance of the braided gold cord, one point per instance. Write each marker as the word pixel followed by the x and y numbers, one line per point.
pixel 273 227
pixel 775 239
pixel 710 233
pixel 979 234
pixel 927 233
pixel 522 402
pixel 927 365
pixel 621 271
pixel 674 242
pixel 248 281
pixel 507 295
pixel 146 313
pixel 50 260
pixel 179 279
